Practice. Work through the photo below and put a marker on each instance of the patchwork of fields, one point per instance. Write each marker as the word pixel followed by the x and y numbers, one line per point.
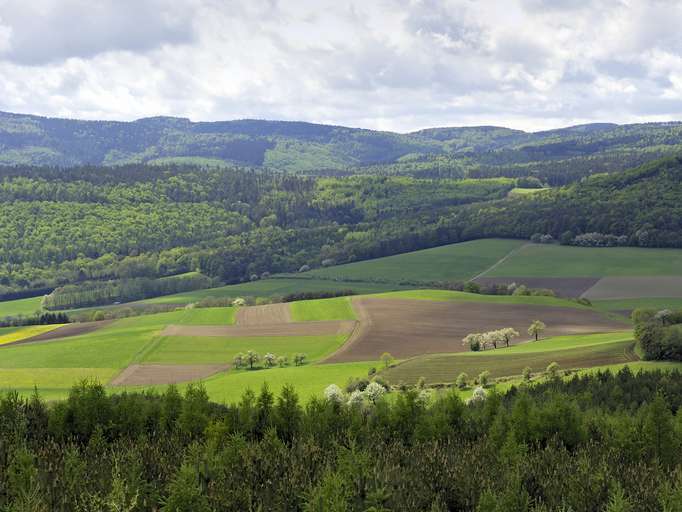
pixel 345 336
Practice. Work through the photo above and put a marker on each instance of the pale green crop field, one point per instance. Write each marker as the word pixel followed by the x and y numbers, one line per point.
pixel 543 260
pixel 455 262
pixel 338 308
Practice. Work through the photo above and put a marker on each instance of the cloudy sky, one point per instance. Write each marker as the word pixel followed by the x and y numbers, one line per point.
pixel 387 64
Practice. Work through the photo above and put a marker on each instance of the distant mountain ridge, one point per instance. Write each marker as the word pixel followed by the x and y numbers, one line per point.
pixel 308 147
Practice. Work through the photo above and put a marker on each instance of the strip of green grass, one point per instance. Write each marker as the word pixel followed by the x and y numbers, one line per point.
pixel 449 262
pixel 539 260
pixel 339 308
pixel 454 296
pixel 53 378
pixel 18 307
pixel 213 350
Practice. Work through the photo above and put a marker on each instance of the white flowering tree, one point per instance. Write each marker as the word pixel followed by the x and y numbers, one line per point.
pixel 356 398
pixel 374 391
pixel 479 395
pixel 334 394
pixel 508 334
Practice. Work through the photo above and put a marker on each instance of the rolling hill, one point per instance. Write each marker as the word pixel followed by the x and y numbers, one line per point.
pixel 556 156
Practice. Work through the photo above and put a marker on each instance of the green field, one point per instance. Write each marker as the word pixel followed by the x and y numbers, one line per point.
pixel 309 380
pixel 454 296
pixel 455 262
pixel 541 260
pixel 217 350
pixel 339 308
pixel 25 307
pixel 568 351
pixel 518 191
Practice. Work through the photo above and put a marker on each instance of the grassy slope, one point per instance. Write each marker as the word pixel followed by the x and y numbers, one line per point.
pixel 568 351
pixel 536 260
pixel 447 296
pixel 17 307
pixel 214 350
pixel 450 262
pixel 309 380
pixel 338 308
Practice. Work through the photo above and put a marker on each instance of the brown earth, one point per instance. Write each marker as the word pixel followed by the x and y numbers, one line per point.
pixel 155 374
pixel 65 331
pixel 264 315
pixel 562 286
pixel 288 329
pixel 408 328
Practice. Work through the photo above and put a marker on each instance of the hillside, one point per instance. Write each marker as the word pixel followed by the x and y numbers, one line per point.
pixel 556 156
pixel 642 205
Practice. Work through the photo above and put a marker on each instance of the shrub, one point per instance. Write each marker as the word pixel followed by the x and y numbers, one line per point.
pixel 483 378
pixel 461 381
pixel 374 391
pixel 553 370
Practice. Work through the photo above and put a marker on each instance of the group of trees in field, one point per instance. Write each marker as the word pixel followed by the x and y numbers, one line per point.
pixel 481 340
pixel 251 359
pixel 659 333
pixel 612 438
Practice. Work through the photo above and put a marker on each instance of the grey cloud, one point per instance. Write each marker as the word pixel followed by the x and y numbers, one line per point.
pixel 45 31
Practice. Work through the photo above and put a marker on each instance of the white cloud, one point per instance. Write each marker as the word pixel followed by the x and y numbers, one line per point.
pixel 388 64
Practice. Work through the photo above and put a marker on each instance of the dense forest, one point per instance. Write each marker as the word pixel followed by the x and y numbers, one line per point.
pixel 110 229
pixel 599 442
pixel 556 157
pixel 77 225
pixel 642 205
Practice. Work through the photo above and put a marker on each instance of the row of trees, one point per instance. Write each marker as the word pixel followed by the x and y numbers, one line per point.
pixel 481 340
pixel 610 437
pixel 251 359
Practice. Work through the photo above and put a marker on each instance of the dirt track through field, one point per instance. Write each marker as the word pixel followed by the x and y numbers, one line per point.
pixel 159 374
pixel 264 315
pixel 407 328
pixel 562 286
pixel 65 331
pixel 239 331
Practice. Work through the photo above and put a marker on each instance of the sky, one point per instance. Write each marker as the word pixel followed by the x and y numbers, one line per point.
pixel 397 65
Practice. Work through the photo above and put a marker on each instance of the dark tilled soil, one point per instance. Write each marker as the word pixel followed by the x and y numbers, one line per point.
pixel 407 328
pixel 562 286
pixel 264 315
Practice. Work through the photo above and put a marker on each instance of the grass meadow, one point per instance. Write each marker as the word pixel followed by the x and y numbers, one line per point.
pixel 338 308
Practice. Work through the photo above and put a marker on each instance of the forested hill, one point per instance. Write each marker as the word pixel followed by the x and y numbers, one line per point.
pixel 556 157
pixel 642 206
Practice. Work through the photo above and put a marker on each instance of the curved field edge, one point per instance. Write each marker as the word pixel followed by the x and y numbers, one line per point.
pixel 455 296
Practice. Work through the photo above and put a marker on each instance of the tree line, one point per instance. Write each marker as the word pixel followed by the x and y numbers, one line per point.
pixel 593 442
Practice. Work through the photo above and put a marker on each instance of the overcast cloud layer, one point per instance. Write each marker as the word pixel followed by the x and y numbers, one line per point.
pixel 387 64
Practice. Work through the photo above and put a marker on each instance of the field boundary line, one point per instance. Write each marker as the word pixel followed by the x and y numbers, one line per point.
pixel 500 261
pixel 362 324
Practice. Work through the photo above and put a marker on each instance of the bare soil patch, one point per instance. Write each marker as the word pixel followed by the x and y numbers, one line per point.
pixel 264 315
pixel 241 331
pixel 159 374
pixel 562 286
pixel 635 287
pixel 407 328
pixel 66 331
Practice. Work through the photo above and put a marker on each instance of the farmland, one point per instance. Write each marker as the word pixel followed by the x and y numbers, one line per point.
pixel 568 351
